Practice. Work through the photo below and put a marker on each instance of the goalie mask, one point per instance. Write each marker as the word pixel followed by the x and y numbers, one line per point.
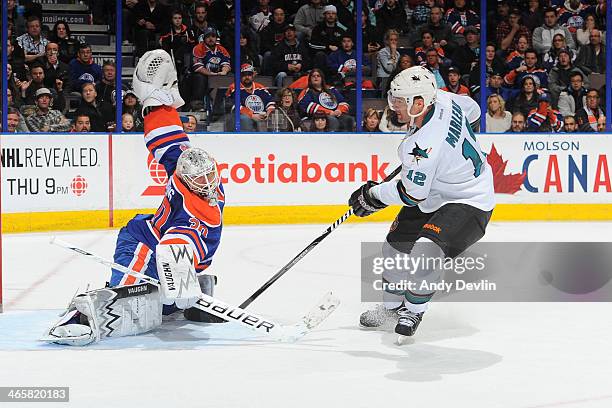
pixel 412 82
pixel 198 170
pixel 155 82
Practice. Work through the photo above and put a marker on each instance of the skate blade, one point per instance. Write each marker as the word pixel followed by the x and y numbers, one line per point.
pixel 389 326
pixel 368 328
pixel 402 340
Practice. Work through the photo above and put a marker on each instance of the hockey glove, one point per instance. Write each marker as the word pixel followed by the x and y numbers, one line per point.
pixel 363 203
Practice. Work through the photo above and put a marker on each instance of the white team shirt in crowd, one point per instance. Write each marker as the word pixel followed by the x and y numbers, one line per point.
pixel 442 162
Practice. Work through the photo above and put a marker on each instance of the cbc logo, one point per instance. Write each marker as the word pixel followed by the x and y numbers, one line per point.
pixel 78 186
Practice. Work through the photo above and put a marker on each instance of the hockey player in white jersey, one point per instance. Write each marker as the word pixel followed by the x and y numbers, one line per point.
pixel 446 188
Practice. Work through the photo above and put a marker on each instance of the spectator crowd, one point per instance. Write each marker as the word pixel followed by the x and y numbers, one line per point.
pixel 546 67
pixel 48 69
pixel 544 59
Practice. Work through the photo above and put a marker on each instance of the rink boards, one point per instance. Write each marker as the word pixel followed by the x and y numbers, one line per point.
pixel 70 181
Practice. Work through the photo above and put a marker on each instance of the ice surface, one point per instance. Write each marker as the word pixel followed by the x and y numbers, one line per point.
pixel 524 355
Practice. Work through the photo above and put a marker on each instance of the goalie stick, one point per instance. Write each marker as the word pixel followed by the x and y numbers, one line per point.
pixel 309 248
pixel 228 312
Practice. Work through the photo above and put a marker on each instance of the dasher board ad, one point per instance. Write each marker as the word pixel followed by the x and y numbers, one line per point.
pixel 264 169
pixel 59 172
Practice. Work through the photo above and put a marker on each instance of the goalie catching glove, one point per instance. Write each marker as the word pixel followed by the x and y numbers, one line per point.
pixel 363 203
pixel 155 81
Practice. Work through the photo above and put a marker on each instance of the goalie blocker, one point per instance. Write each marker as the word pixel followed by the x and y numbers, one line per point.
pixel 179 283
pixel 177 276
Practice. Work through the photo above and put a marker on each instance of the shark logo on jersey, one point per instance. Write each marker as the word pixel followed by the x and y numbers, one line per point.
pixel 419 153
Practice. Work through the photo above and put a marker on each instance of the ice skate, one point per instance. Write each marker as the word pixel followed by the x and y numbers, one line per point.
pixel 407 323
pixel 377 318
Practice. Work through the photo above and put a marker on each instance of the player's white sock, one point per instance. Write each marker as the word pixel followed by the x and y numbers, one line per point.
pixel 420 308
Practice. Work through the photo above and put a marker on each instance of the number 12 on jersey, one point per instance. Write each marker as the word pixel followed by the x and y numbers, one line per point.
pixel 416 177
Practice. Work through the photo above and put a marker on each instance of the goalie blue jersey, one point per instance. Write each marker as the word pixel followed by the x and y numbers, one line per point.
pixel 183 216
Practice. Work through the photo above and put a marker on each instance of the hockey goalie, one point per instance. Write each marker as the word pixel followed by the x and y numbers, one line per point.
pixel 175 245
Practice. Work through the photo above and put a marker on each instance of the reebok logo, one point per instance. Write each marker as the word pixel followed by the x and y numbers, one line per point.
pixel 433 227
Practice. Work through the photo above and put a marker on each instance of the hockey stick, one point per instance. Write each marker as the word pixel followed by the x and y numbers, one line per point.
pixel 228 312
pixel 309 248
pixel 103 261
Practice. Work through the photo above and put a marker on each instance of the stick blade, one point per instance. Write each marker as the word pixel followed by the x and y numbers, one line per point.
pixel 321 311
pixel 326 306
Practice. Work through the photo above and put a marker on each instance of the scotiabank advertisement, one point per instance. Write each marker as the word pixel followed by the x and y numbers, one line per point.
pixel 264 169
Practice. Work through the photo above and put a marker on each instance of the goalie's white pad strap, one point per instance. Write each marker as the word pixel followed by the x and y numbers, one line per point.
pixel 110 312
pixel 177 275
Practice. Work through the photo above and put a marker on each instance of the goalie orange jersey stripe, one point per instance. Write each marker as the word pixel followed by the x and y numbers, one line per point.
pixel 139 264
pixel 161 117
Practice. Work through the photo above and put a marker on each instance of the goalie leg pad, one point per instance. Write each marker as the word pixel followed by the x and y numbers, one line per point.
pixel 108 312
pixel 177 277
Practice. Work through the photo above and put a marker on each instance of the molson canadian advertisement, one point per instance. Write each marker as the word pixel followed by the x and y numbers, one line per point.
pixel 545 169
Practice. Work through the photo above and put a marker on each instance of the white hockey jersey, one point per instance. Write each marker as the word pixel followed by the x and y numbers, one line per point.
pixel 442 162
